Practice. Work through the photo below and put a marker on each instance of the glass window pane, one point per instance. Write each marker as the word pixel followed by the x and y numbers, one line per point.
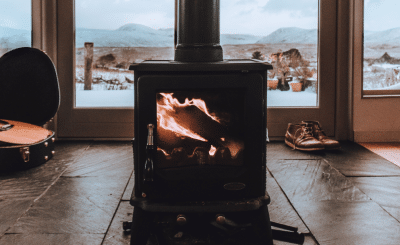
pixel 118 33
pixel 282 32
pixel 123 32
pixel 381 62
pixel 15 24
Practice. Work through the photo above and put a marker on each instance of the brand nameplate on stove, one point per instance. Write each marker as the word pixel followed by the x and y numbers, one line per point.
pixel 234 186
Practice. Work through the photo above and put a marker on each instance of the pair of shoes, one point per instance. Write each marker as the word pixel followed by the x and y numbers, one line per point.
pixel 320 135
pixel 309 136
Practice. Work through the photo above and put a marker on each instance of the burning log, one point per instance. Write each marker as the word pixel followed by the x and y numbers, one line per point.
pixel 189 127
pixel 222 156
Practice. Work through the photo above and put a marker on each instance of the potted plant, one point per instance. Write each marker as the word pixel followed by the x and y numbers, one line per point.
pixel 302 73
pixel 280 69
pixel 272 82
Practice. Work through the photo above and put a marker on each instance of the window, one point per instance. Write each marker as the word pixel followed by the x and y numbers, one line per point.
pixel 284 33
pixel 381 53
pixel 109 36
pixel 15 24
pixel 114 34
pixel 111 19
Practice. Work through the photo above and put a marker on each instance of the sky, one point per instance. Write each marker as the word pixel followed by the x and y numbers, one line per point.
pixel 381 15
pixel 16 14
pixel 256 17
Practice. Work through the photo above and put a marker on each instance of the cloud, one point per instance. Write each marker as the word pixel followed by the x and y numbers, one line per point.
pixel 302 8
pixel 105 14
pixel 246 1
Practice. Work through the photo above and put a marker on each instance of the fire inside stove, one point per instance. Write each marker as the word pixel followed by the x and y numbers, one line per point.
pixel 200 128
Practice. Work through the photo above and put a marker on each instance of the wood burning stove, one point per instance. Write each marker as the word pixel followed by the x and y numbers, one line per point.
pixel 209 129
pixel 200 127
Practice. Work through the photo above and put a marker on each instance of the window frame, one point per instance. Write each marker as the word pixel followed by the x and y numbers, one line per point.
pixel 117 123
pixel 359 10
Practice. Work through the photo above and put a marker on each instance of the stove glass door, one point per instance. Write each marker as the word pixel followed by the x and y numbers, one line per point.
pixel 200 128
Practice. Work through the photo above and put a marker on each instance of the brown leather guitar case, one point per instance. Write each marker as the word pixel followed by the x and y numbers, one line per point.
pixel 29 97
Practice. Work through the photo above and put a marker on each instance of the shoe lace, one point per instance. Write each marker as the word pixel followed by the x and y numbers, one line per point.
pixel 318 129
pixel 306 133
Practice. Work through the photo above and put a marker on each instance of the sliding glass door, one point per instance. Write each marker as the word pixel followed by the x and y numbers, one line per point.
pixel 96 47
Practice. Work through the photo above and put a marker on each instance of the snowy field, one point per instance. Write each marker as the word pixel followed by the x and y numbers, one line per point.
pixel 104 98
pixel 125 98
pixel 106 79
pixel 381 76
pixel 277 98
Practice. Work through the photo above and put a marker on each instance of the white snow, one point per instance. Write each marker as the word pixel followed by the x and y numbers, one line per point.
pixel 386 66
pixel 393 87
pixel 104 98
pixel 125 98
pixel 277 98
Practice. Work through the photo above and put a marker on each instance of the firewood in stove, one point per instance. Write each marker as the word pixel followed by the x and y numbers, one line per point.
pixel 176 158
pixel 169 140
pixel 179 156
pixel 197 121
pixel 222 156
pixel 200 155
pixel 163 160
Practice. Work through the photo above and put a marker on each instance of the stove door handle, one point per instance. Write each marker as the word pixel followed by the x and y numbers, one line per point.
pixel 148 170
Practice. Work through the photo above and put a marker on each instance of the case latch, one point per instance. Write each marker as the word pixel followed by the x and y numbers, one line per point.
pixel 24 151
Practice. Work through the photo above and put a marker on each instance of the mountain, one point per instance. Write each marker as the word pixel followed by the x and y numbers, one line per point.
pixel 129 35
pixel 291 35
pixel 11 38
pixel 134 35
pixel 388 36
pixel 238 39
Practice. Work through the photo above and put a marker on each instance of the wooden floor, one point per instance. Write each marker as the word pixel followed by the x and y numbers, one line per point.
pixel 81 196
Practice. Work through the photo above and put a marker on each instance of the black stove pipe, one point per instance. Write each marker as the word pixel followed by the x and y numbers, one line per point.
pixel 197 34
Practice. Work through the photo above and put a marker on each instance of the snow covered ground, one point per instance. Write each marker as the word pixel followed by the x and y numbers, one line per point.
pixel 104 98
pixel 125 98
pixel 277 98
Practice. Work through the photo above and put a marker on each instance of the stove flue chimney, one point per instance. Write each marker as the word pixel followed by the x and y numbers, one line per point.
pixel 197 31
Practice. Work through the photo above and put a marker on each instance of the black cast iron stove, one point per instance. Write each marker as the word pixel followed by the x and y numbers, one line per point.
pixel 200 127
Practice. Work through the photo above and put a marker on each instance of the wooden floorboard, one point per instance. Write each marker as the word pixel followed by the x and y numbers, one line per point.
pixel 332 205
pixel 85 197
pixel 355 160
pixel 349 223
pixel 104 159
pixel 51 239
pixel 314 180
pixel 81 196
pixel 280 209
pixel 78 205
pixel 384 191
pixel 116 235
pixel 19 190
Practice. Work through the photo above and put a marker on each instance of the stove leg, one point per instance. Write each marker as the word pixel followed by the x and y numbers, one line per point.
pixel 140 230
pixel 262 225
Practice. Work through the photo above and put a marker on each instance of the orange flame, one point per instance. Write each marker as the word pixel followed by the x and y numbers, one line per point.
pixel 163 151
pixel 167 108
pixel 212 151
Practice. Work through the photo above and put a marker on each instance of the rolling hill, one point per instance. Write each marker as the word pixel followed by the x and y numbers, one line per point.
pixel 136 35
pixel 291 35
pixel 391 36
pixel 11 38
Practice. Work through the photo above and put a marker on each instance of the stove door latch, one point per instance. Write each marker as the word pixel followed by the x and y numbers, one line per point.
pixel 148 170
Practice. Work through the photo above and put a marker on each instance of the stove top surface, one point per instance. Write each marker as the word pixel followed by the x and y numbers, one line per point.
pixel 225 65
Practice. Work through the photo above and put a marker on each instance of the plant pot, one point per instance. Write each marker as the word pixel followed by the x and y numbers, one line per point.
pixel 296 86
pixel 272 84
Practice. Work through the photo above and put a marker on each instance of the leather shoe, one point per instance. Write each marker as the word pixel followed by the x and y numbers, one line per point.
pixel 300 137
pixel 319 134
